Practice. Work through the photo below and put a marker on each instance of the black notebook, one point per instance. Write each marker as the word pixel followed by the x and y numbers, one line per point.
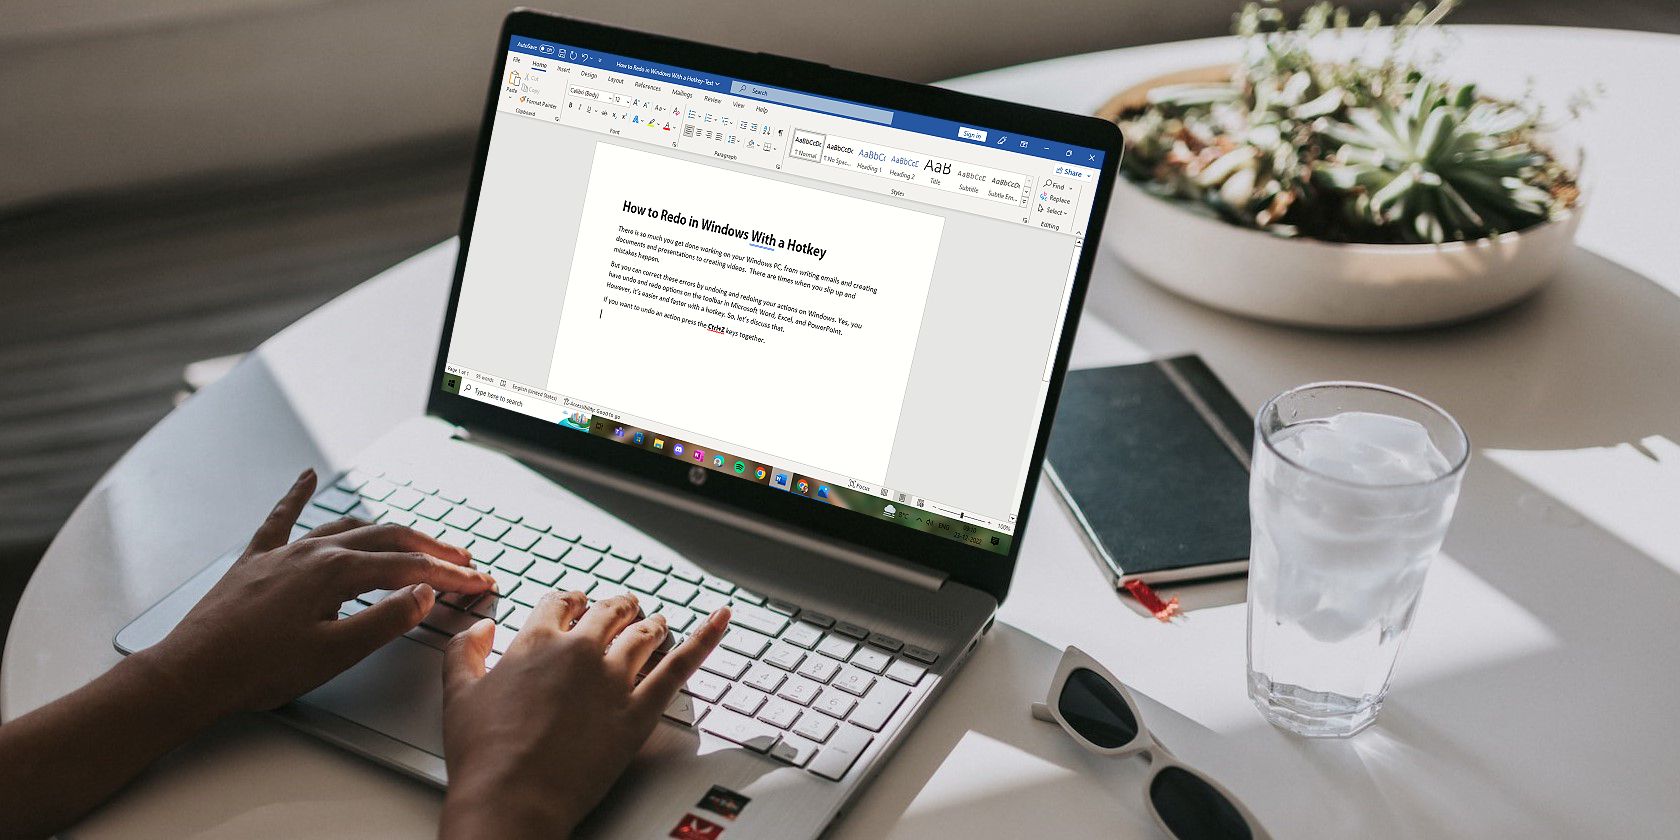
pixel 1152 461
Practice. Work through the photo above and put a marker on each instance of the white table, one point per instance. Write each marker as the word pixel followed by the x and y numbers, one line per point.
pixel 1535 697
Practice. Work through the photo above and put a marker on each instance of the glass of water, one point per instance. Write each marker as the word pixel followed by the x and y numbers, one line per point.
pixel 1352 488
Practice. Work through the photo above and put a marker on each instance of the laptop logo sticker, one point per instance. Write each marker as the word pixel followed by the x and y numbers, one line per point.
pixel 723 802
pixel 692 827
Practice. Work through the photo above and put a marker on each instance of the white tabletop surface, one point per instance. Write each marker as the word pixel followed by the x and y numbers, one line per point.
pixel 1535 697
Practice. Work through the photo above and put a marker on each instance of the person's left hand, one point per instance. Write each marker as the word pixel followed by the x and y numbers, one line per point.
pixel 269 630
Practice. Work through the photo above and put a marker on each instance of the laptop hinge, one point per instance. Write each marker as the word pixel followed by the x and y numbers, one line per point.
pixel 549 463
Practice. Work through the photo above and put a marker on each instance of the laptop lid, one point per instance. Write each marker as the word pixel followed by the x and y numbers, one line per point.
pixel 840 303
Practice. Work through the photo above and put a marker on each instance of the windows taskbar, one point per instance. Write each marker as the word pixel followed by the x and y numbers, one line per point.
pixel 817 490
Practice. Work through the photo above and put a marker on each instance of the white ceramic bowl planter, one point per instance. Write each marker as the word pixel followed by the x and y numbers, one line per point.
pixel 1325 284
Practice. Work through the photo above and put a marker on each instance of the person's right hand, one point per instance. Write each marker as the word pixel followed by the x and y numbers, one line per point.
pixel 534 745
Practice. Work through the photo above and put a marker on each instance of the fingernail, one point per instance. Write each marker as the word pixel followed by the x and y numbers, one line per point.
pixel 425 595
pixel 304 476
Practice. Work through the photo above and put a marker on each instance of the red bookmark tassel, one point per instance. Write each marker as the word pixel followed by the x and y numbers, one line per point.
pixel 1162 610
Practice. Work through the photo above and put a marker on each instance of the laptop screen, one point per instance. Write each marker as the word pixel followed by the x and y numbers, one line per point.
pixel 854 305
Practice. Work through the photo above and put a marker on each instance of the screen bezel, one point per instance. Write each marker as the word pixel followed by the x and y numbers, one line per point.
pixel 974 566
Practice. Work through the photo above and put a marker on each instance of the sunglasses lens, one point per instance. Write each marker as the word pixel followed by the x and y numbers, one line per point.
pixel 1194 809
pixel 1095 710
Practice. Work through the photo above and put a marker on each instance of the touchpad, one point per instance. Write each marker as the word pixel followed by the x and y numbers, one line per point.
pixel 397 691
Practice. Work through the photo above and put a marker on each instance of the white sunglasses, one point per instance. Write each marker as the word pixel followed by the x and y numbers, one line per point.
pixel 1098 711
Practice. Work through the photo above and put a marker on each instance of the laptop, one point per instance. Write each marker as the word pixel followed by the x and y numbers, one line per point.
pixel 731 328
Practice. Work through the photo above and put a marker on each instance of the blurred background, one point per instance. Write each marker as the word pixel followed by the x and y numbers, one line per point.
pixel 179 179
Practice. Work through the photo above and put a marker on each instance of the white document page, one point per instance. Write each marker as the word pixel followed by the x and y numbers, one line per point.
pixel 746 309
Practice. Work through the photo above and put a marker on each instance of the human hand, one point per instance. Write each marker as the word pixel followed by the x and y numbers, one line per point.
pixel 535 744
pixel 269 630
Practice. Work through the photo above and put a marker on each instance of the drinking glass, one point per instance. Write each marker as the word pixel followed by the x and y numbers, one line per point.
pixel 1352 488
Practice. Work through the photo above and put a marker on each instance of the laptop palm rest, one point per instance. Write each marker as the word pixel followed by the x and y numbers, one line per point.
pixel 397 691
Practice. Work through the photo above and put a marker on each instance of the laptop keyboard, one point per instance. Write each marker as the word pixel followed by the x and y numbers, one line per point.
pixel 800 686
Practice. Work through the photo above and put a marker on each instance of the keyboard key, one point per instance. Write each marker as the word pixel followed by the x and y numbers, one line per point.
pixel 579 559
pixel 429 637
pixel 424 487
pixel 657 564
pixel 679 620
pixel 529 594
pixel 602 548
pixel 399 517
pixel 457 538
pixel 921 654
pixel 549 548
pixel 803 635
pixel 799 690
pixel 745 642
pixel 352 481
pixel 836 647
pixel 404 498
pixel 885 642
pixel 351 607
pixel 871 660
pixel 517 562
pixel 337 500
pixel 453 498
pixel 819 668
pixel 521 538
pixel 504 637
pixel 490 660
pixel 485 551
pixel 480 506
pixel 545 572
pixel 782 607
pixel 377 490
pixel 707 687
pixel 491 529
pixel 840 753
pixel 846 628
pixel 433 507
pixel 708 602
pixel 755 735
pixel 506 581
pixel 575 581
pixel 645 580
pixel 509 517
pixel 815 727
pixel 853 681
pixel 877 707
pixel 744 700
pixel 764 678
pixel 461 517
pixel 906 672
pixel 835 704
pixel 794 750
pixel 517 616
pixel 446 619
pixel 606 589
pixel 726 663
pixel 820 619
pixel 685 710
pixel 489 606
pixel 717 584
pixel 312 517
pixel 678 592
pixel 779 713
pixel 613 569
pixel 757 618
pixel 684 570
pixel 742 595
pixel 784 656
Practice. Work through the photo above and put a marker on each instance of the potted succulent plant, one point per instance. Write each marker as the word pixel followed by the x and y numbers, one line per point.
pixel 1349 190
